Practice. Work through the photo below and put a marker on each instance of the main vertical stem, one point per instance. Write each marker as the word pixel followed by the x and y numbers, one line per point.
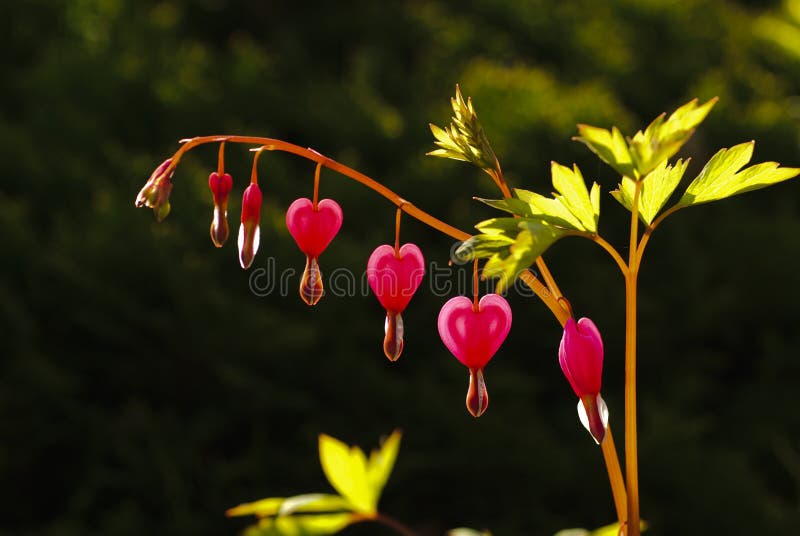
pixel 631 443
pixel 631 437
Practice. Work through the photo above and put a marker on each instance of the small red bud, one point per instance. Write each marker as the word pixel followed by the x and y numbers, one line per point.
pixel 250 230
pixel 220 186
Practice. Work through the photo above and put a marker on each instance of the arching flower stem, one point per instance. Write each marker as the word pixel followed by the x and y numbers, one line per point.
pixel 547 296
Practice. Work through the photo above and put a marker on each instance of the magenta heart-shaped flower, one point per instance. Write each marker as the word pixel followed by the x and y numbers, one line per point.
pixel 474 336
pixel 313 229
pixel 394 278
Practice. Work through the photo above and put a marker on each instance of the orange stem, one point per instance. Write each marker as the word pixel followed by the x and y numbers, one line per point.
pixel 273 144
pixel 397 231
pixel 316 186
pixel 221 160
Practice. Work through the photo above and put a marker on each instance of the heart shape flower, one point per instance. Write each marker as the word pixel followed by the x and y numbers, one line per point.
pixel 394 277
pixel 473 335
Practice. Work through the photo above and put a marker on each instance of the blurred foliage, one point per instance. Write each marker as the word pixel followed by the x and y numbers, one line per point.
pixel 144 388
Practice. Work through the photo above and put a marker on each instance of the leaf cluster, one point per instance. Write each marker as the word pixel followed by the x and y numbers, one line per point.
pixel 358 479
pixel 648 180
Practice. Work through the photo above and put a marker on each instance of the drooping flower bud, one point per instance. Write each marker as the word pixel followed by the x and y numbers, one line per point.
pixel 581 358
pixel 155 192
pixel 220 186
pixel 250 229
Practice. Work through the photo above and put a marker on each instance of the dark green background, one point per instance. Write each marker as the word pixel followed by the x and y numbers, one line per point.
pixel 144 389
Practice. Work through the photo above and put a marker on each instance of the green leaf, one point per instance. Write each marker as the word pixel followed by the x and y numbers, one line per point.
pixel 511 205
pixel 610 146
pixel 346 470
pixel 656 187
pixel 549 209
pixel 261 508
pixel 279 506
pixel 301 525
pixel 662 139
pixel 574 196
pixel 464 139
pixel 721 178
pixel 532 239
pixel 381 463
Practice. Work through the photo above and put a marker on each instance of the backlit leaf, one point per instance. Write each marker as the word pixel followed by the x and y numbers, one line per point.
pixel 468 532
pixel 656 188
pixel 381 463
pixel 570 185
pixel 346 470
pixel 721 177
pixel 663 138
pixel 610 146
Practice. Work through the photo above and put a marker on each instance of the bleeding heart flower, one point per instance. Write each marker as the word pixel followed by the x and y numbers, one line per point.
pixel 474 336
pixel 312 230
pixel 394 278
pixel 250 229
pixel 581 358
pixel 220 186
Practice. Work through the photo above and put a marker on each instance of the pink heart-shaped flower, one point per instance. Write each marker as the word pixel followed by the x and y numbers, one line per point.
pixel 313 229
pixel 393 279
pixel 474 336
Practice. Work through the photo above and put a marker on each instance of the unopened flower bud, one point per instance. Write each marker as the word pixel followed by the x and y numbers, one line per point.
pixel 220 186
pixel 581 358
pixel 250 230
pixel 155 192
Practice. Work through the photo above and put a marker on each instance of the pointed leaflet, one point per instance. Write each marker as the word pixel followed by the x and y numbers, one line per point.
pixel 721 178
pixel 662 139
pixel 358 480
pixel 574 196
pixel 381 463
pixel 657 187
pixel 610 146
pixel 346 470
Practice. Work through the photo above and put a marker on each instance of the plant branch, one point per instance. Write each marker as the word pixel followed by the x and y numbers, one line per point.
pixel 547 296
pixel 631 438
pixel 615 476
pixel 649 231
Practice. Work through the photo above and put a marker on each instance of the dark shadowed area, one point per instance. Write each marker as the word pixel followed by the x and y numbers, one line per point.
pixel 148 383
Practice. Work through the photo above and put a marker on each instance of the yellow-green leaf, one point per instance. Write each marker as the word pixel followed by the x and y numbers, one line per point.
pixel 549 209
pixel 574 196
pixel 261 508
pixel 663 138
pixel 721 177
pixel 314 503
pixel 610 146
pixel 533 239
pixel 280 506
pixel 656 188
pixel 346 470
pixel 381 463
